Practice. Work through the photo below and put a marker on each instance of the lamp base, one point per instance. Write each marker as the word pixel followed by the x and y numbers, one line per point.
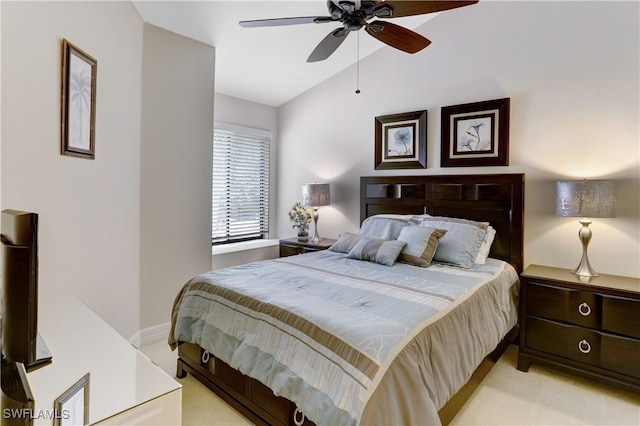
pixel 316 237
pixel 584 269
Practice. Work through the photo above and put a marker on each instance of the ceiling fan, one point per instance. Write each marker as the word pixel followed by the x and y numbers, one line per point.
pixel 355 14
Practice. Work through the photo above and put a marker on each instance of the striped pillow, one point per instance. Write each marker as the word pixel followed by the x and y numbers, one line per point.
pixel 377 250
pixel 422 242
pixel 346 242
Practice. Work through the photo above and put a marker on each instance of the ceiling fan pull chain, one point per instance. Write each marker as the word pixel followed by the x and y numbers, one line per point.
pixel 358 64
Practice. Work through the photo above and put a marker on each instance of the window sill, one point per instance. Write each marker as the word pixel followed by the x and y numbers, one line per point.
pixel 243 246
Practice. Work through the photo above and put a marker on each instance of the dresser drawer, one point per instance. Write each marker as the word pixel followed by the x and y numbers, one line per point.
pixel 608 351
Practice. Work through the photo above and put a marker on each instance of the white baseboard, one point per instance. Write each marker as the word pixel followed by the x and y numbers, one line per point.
pixel 151 335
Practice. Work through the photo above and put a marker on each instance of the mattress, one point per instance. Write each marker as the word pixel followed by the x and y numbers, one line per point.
pixel 350 341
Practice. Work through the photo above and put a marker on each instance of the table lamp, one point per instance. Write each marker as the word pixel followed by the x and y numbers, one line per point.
pixel 586 199
pixel 316 195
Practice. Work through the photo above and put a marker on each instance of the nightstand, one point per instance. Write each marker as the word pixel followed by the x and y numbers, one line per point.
pixel 291 246
pixel 590 326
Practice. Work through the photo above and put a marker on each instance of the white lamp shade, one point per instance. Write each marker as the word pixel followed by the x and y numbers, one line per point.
pixel 316 194
pixel 586 198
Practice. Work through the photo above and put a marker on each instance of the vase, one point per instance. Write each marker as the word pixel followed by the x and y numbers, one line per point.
pixel 303 236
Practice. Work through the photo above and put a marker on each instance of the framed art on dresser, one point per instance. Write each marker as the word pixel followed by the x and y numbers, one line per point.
pixel 475 134
pixel 72 407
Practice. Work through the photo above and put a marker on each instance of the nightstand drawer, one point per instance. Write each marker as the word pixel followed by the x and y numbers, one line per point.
pixel 587 309
pixel 564 304
pixel 621 315
pixel 288 250
pixel 614 353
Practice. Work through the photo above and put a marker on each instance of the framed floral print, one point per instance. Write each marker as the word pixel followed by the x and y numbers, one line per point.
pixel 78 102
pixel 401 141
pixel 475 134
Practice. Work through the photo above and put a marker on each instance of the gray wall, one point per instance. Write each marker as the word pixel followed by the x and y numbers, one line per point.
pixel 175 197
pixel 89 210
pixel 571 70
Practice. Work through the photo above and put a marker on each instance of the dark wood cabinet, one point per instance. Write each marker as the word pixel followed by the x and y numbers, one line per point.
pixel 588 325
pixel 291 246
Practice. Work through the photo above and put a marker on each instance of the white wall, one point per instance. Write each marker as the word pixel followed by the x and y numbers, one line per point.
pixel 571 70
pixel 177 133
pixel 88 209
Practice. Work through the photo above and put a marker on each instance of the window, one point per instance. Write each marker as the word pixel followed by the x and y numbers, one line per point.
pixel 240 197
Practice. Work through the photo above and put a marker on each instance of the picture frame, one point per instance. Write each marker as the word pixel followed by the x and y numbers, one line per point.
pixel 72 407
pixel 78 105
pixel 475 134
pixel 401 141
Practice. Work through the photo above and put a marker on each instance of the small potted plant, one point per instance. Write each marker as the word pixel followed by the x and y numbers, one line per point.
pixel 300 218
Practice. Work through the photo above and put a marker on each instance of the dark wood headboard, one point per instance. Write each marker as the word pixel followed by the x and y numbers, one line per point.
pixel 494 198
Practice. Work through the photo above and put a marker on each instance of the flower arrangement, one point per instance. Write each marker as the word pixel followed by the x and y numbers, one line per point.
pixel 300 216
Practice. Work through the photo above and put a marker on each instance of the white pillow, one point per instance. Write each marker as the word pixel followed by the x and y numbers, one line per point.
pixel 485 247
pixel 386 226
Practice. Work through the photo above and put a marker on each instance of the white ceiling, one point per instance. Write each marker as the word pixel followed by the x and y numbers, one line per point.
pixel 264 65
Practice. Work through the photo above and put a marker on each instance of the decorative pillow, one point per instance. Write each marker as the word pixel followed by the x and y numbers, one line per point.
pixel 386 226
pixel 421 245
pixel 460 245
pixel 346 242
pixel 377 250
pixel 485 247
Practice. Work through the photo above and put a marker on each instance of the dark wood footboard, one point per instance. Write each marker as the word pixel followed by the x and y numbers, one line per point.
pixel 248 396
pixel 259 405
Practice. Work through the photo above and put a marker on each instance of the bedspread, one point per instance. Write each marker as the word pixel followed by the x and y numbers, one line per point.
pixel 323 331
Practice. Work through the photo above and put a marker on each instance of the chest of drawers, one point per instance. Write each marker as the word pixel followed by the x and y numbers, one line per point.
pixel 590 326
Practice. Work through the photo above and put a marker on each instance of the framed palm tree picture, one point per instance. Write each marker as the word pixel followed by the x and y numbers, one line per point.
pixel 78 102
pixel 401 141
pixel 475 134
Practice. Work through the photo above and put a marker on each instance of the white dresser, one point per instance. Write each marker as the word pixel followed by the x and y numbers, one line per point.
pixel 125 387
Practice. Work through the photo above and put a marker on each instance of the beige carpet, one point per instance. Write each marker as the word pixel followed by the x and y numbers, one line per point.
pixel 542 396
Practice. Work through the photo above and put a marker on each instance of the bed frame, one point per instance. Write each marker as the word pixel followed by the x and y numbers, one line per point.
pixel 494 198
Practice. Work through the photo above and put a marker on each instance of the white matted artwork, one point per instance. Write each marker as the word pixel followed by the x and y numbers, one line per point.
pixel 401 141
pixel 475 134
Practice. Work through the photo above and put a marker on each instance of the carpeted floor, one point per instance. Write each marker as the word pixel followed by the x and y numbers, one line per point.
pixel 542 396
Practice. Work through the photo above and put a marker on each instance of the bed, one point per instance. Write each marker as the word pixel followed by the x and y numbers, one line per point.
pixel 324 364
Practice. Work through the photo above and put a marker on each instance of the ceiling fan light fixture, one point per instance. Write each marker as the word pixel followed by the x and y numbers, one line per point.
pixel 385 11
pixel 375 27
pixel 347 6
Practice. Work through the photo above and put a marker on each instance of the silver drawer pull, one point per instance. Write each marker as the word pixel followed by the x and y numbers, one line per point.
pixel 584 309
pixel 205 357
pixel 584 346
pixel 295 417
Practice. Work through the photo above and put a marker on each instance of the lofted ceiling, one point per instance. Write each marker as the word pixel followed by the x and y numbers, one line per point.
pixel 264 65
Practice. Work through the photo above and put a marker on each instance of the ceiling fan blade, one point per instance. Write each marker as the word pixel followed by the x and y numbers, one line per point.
pixel 396 36
pixel 396 9
pixel 286 21
pixel 328 45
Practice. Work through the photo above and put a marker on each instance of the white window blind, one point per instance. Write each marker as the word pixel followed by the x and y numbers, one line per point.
pixel 240 197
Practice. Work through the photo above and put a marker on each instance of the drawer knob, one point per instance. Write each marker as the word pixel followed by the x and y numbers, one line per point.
pixel 295 417
pixel 205 357
pixel 584 346
pixel 584 309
